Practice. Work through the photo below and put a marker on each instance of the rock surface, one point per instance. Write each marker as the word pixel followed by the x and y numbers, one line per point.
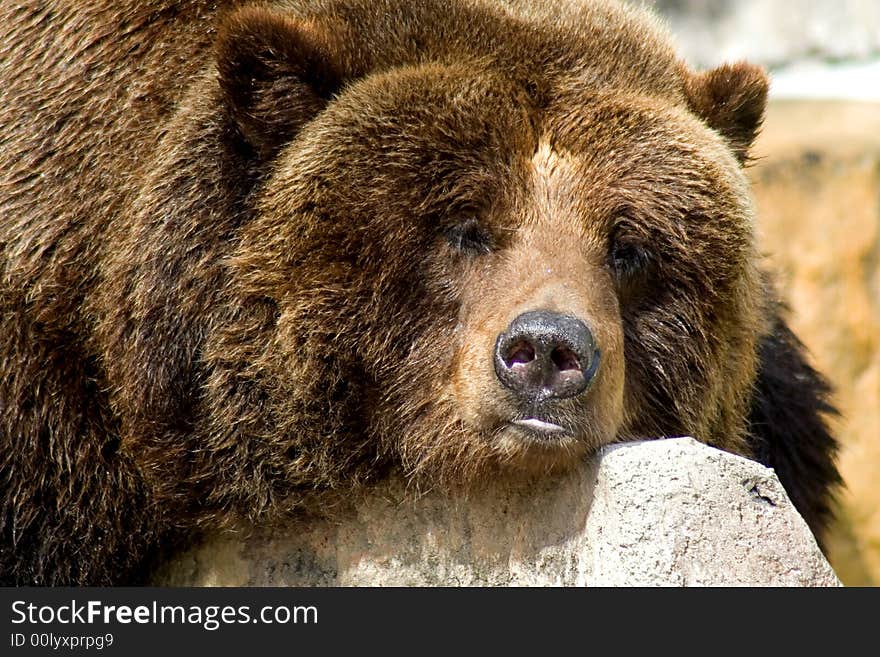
pixel 659 513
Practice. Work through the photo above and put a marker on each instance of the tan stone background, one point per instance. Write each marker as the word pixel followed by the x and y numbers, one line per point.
pixel 817 183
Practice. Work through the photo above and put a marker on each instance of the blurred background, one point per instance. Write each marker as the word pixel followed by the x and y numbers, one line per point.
pixel 817 184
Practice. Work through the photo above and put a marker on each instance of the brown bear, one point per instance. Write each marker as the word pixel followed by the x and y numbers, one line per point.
pixel 254 255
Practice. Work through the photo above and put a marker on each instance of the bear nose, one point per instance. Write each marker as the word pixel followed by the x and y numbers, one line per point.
pixel 544 355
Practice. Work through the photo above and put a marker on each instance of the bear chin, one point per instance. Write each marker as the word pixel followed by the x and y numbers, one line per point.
pixel 538 445
pixel 532 444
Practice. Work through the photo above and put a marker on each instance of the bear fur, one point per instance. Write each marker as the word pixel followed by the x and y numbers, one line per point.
pixel 256 255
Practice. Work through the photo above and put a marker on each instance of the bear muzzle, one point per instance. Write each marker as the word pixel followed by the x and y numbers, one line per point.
pixel 544 357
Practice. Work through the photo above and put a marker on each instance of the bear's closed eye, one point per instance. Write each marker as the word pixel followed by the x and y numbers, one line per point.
pixel 469 236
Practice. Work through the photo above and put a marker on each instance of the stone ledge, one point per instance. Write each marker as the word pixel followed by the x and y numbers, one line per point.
pixel 658 513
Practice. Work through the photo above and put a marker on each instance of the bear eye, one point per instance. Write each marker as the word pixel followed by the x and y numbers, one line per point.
pixel 628 258
pixel 469 236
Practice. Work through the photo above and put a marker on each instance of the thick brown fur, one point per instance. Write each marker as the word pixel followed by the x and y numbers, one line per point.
pixel 258 254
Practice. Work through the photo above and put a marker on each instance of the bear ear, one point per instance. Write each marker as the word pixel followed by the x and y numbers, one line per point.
pixel 276 73
pixel 731 99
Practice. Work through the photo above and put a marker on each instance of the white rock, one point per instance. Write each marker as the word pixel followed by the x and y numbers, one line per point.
pixel 772 32
pixel 657 513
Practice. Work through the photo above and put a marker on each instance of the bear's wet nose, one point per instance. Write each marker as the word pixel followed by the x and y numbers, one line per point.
pixel 544 355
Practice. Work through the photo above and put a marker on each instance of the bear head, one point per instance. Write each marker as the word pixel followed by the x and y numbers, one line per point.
pixel 473 239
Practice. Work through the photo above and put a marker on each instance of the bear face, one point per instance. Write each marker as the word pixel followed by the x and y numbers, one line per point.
pixel 409 224
pixel 261 256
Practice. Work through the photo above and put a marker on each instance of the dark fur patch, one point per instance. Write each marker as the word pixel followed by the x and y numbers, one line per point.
pixel 788 427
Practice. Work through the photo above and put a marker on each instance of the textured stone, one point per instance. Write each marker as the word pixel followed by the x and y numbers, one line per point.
pixel 660 513
pixel 817 183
